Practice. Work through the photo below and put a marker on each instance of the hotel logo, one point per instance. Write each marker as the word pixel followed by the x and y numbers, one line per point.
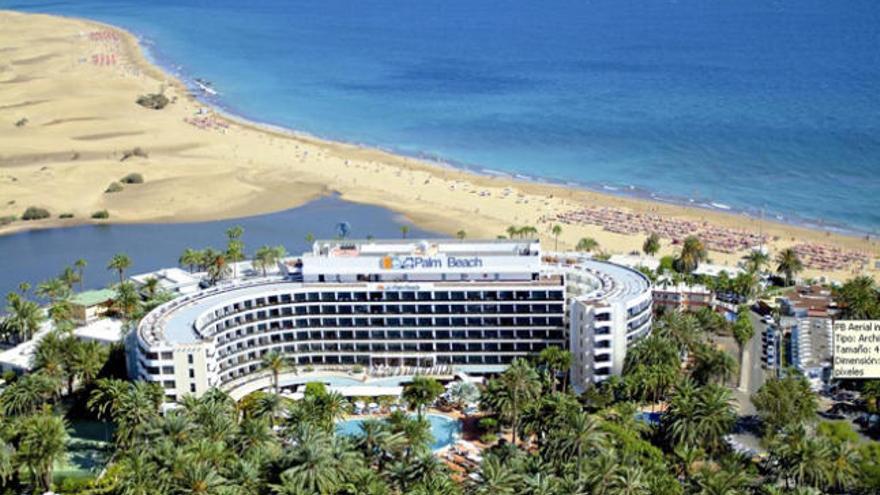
pixel 416 262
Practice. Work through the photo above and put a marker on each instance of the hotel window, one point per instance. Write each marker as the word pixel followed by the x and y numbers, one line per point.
pixel 192 373
pixel 189 358
pixel 192 387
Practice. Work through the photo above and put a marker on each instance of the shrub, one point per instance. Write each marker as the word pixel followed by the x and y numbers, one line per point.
pixel 357 369
pixel 101 215
pixel 9 376
pixel 488 438
pixel 132 179
pixel 114 187
pixel 7 220
pixel 66 215
pixel 34 213
pixel 489 424
pixel 154 101
pixel 21 122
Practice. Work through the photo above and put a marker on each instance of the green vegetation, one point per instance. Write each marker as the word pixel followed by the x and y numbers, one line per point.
pixel 35 213
pixel 543 438
pixel 132 178
pixel 21 122
pixel 6 220
pixel 692 254
pixel 788 265
pixel 267 256
pixel 101 215
pixel 651 245
pixel 153 101
pixel 586 245
pixel 114 187
pixel 859 299
pixel 66 215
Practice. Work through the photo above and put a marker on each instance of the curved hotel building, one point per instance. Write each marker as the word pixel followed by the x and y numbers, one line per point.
pixel 464 306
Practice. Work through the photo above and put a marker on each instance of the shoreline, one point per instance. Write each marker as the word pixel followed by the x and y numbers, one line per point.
pixel 789 219
pixel 265 180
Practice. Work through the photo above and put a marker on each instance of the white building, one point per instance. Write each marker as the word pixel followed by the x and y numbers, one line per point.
pixel 812 348
pixel 609 309
pixel 463 306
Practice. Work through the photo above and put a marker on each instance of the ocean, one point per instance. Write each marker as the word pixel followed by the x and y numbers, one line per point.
pixel 767 107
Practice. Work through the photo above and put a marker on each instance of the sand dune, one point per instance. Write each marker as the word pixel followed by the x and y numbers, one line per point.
pixel 107 135
pixel 201 165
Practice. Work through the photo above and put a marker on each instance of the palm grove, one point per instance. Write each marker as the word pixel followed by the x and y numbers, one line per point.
pixel 544 438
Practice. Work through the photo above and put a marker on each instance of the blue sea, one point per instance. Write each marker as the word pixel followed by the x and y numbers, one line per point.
pixel 766 106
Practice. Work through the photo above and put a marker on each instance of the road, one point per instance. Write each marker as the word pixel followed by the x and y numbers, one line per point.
pixel 752 374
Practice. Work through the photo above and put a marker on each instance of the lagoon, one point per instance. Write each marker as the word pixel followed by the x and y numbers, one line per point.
pixel 38 255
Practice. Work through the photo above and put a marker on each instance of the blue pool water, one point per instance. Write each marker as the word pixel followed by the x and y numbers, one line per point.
pixel 748 104
pixel 443 429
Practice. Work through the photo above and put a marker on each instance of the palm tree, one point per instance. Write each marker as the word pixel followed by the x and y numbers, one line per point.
pixel 151 287
pixel 788 264
pixel 421 392
pixel 858 299
pixel 692 254
pixel 53 289
pixel 461 234
pixel 743 331
pixel 69 276
pixel 234 247
pixel 87 359
pixel 190 258
pixel 509 393
pixel 27 394
pixel 140 475
pixel 651 245
pixel 43 443
pixel 512 232
pixel 722 482
pixel 558 362
pixel 80 266
pixel 556 230
pixel 579 434
pixel 310 238
pixel 404 230
pixel 276 364
pixel 23 317
pixel 756 260
pixel 267 256
pixel 586 245
pixel 120 262
pixel 127 301
pixel 712 365
pixel 216 264
pixel 699 417
pixel 497 478
pixel 314 467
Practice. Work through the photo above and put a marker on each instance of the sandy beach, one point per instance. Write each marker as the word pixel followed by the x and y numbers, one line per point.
pixel 67 109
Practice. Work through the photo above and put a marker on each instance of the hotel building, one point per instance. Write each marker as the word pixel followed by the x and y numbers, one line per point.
pixel 465 306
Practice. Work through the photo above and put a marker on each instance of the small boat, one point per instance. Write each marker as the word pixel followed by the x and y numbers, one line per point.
pixel 205 86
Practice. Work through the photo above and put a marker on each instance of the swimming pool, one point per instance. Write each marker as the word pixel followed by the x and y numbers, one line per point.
pixel 345 381
pixel 444 429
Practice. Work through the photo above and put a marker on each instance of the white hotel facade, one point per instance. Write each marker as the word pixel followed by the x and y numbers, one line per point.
pixel 468 306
